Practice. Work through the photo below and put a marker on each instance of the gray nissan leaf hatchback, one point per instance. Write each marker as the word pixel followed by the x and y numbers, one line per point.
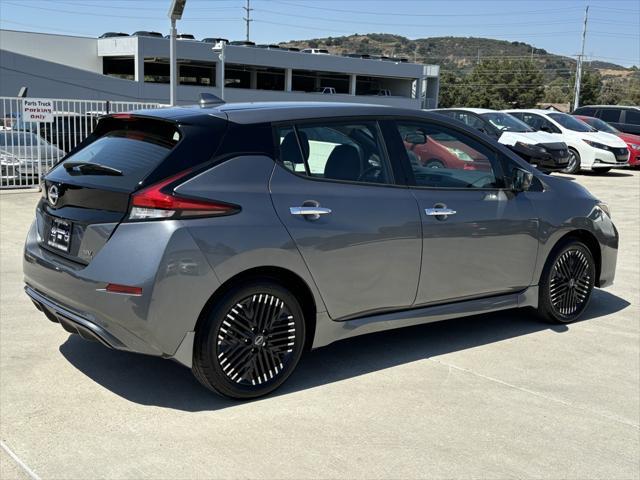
pixel 231 238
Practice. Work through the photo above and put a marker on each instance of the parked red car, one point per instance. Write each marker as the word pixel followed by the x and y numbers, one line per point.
pixel 632 141
pixel 443 151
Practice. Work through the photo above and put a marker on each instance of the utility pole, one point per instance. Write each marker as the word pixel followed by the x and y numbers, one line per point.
pixel 576 99
pixel 248 18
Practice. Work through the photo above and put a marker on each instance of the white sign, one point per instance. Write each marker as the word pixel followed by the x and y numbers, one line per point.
pixel 37 110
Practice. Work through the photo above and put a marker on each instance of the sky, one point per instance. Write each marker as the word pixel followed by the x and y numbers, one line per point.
pixel 613 31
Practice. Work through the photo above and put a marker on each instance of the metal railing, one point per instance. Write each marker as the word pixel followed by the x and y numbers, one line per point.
pixel 28 150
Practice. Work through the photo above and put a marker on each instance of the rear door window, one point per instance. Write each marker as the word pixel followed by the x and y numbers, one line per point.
pixel 349 152
pixel 632 117
pixel 610 115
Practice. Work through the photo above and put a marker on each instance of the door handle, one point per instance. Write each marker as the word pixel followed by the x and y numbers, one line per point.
pixel 309 210
pixel 436 212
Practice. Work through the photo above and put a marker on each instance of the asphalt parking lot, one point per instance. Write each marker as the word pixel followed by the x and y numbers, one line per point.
pixel 493 396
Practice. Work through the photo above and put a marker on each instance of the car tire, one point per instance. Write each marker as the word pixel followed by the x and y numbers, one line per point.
pixel 434 164
pixel 567 282
pixel 251 340
pixel 574 162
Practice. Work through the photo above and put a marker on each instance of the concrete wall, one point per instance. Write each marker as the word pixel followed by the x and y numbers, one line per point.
pixel 77 52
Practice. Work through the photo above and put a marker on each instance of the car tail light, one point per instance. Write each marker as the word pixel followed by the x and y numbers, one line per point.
pixel 159 201
pixel 116 288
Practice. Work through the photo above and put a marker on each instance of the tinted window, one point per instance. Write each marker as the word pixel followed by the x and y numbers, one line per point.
pixel 348 152
pixel 134 152
pixel 469 119
pixel 632 116
pixel 570 123
pixel 610 115
pixel 505 122
pixel 586 111
pixel 536 122
pixel 600 125
pixel 445 158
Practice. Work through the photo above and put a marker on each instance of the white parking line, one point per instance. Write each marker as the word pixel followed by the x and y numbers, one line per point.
pixel 22 465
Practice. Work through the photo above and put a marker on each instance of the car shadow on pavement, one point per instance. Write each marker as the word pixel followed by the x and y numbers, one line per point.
pixel 154 381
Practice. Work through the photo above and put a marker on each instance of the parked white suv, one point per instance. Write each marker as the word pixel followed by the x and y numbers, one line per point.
pixel 588 148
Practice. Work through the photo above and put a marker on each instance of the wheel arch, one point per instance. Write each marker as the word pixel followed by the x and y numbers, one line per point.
pixel 288 279
pixel 589 239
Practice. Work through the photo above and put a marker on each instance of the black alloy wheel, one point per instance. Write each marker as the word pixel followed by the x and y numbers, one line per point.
pixel 251 342
pixel 567 284
pixel 256 339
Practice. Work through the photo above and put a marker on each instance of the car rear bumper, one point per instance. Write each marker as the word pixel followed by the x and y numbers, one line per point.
pixel 175 278
pixel 73 322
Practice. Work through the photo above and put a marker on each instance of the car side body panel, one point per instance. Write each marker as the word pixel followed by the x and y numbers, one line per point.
pixel 252 238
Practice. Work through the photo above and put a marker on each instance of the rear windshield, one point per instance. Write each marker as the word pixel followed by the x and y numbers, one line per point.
pixel 133 148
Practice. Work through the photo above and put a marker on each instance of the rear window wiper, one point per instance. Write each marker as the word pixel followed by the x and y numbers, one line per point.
pixel 88 167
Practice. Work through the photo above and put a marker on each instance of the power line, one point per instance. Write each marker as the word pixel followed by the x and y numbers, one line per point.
pixel 395 14
pixel 355 22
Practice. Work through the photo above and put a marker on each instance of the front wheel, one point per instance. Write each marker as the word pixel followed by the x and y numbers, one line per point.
pixel 567 283
pixel 573 165
pixel 250 342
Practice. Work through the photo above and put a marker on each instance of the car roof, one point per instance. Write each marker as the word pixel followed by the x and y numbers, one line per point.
pixel 539 111
pixel 479 111
pixel 261 112
pixel 609 106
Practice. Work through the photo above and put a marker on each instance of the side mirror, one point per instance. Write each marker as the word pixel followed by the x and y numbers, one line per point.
pixel 521 179
pixel 415 138
pixel 544 128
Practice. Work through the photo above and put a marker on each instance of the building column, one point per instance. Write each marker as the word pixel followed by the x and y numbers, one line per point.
pixel 352 84
pixel 316 82
pixel 253 79
pixel 138 61
pixel 219 74
pixel 288 79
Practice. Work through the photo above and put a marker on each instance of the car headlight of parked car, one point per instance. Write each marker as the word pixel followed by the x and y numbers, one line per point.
pixel 601 146
pixel 605 208
pixel 8 159
pixel 634 146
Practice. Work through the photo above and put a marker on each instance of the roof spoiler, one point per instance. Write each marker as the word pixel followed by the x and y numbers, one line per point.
pixel 208 99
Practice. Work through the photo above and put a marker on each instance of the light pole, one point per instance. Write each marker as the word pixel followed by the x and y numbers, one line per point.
pixel 175 13
pixel 219 48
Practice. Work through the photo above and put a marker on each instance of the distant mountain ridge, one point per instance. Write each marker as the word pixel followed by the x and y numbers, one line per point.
pixel 455 54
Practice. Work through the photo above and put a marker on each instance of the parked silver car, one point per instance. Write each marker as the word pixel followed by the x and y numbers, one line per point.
pixel 233 237
pixel 23 155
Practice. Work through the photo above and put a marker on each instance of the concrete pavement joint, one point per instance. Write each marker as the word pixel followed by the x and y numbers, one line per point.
pixel 533 392
pixel 33 475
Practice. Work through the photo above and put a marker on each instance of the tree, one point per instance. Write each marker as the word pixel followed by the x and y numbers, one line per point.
pixel 557 91
pixel 590 87
pixel 453 92
pixel 504 83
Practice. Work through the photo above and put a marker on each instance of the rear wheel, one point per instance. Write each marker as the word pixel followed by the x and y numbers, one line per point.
pixel 573 165
pixel 251 341
pixel 567 283
pixel 434 164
